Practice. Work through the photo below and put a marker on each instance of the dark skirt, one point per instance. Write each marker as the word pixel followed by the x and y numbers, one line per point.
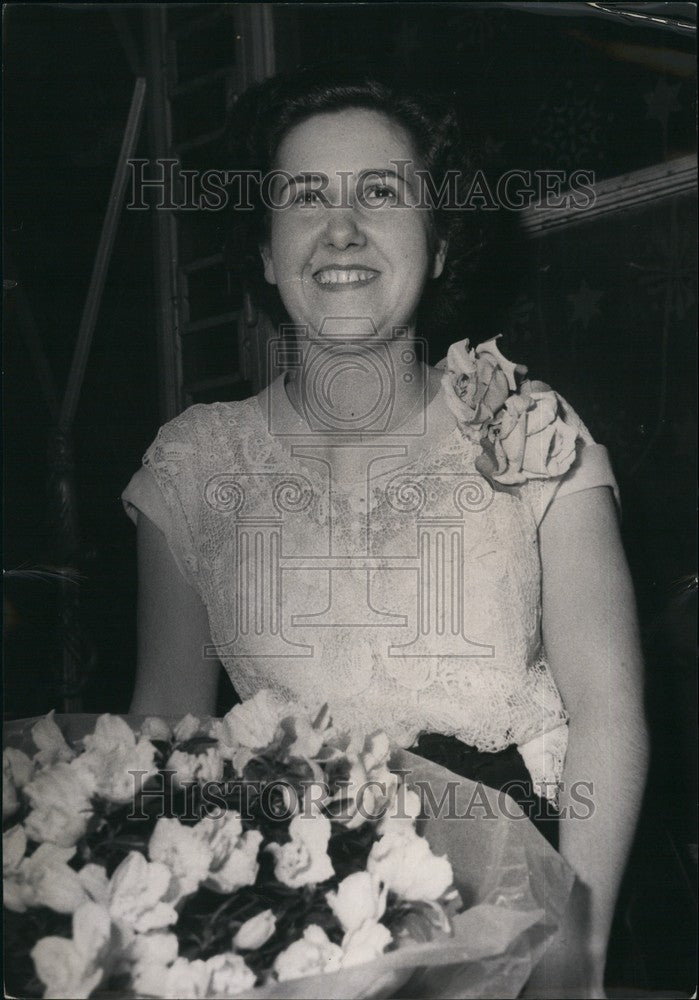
pixel 505 771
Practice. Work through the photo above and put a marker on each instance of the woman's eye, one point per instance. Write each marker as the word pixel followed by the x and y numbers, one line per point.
pixel 380 193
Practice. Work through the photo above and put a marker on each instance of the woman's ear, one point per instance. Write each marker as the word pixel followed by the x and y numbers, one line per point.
pixel 268 264
pixel 440 257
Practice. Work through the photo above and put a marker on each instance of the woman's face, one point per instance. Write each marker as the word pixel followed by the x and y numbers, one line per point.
pixel 352 251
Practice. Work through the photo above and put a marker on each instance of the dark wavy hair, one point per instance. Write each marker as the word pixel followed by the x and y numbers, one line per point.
pixel 265 114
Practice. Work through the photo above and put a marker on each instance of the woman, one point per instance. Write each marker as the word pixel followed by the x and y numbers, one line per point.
pixel 363 532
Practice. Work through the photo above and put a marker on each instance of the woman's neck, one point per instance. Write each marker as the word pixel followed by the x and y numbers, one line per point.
pixel 359 387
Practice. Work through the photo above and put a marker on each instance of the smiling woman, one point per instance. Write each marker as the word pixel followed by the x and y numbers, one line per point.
pixel 362 236
pixel 432 551
pixel 414 154
pixel 356 248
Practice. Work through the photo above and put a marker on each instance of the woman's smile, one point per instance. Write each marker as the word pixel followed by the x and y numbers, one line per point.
pixel 346 277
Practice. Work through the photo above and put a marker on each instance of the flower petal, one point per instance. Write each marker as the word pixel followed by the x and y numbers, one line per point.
pixel 14 846
pixel 91 929
pixel 186 728
pixel 254 932
pixel 155 728
pixel 94 880
pixel 511 370
pixel 20 765
pixel 111 732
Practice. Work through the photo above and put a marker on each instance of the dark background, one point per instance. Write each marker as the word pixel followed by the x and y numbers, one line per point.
pixel 606 312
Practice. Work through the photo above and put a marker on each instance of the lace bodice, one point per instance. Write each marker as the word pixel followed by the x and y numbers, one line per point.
pixel 408 599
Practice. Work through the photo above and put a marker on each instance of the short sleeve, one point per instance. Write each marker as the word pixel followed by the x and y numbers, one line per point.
pixel 590 469
pixel 160 490
pixel 143 496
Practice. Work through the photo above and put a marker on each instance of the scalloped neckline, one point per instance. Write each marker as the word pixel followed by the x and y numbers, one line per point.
pixel 432 440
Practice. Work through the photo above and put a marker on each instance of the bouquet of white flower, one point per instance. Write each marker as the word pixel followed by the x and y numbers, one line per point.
pixel 239 857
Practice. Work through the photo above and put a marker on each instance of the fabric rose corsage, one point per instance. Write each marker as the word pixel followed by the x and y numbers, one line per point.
pixel 518 423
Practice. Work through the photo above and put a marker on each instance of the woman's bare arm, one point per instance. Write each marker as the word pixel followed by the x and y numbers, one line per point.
pixel 173 674
pixel 591 637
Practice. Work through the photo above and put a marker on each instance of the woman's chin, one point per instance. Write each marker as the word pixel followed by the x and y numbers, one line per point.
pixel 349 326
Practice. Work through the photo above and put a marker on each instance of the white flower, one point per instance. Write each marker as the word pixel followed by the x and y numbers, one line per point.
pixel 233 853
pixel 217 729
pixel 186 728
pixel 57 826
pixel 17 770
pixel 155 728
pixel 42 879
pixel 14 844
pixel 190 767
pixel 307 738
pixel 137 893
pixel 184 979
pixel 149 956
pixel 407 866
pixel 370 784
pixel 184 852
pixel 60 799
pixel 532 436
pixel 110 733
pixel 250 725
pixel 359 898
pixel 238 756
pixel 477 381
pixel 311 735
pixel 365 943
pixel 71 968
pixel 229 975
pixel 133 900
pixel 19 765
pixel 221 834
pixel 223 975
pixel 112 753
pixel 255 931
pixel 310 955
pixel 304 859
pixel 55 883
pixel 239 868
pixel 94 880
pixel 403 809
pixel 51 742
pixel 156 949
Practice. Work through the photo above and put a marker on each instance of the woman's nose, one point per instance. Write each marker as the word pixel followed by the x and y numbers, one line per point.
pixel 343 230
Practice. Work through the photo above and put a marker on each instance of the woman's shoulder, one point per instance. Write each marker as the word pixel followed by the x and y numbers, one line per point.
pixel 202 431
pixel 207 418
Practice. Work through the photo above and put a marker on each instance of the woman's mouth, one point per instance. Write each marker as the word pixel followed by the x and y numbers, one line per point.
pixel 334 278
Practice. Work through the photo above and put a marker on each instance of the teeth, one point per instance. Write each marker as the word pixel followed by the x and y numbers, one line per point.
pixel 343 277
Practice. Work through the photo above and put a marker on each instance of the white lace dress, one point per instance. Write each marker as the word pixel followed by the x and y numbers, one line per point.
pixel 408 599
